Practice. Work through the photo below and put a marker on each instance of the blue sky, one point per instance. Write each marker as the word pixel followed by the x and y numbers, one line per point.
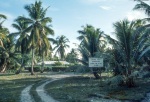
pixel 69 15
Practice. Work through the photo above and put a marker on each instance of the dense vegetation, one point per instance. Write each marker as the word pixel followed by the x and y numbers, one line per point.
pixel 123 56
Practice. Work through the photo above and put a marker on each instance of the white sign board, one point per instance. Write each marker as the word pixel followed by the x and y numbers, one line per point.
pixel 95 62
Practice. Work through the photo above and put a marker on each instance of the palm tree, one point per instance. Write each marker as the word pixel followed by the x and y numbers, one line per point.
pixel 37 26
pixel 129 46
pixel 22 41
pixel 3 40
pixel 146 8
pixel 91 43
pixel 61 45
pixel 72 56
pixel 8 57
pixel 3 31
pixel 44 46
pixel 2 19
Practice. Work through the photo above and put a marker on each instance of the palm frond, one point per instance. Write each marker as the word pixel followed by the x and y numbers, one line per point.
pixel 48 30
pixel 3 16
pixel 16 27
pixel 142 6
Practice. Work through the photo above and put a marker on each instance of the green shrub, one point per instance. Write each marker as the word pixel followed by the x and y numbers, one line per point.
pixel 48 68
pixel 36 69
pixel 59 68
pixel 78 68
pixel 58 64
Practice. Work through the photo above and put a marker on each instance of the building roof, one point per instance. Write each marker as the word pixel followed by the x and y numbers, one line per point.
pixel 53 62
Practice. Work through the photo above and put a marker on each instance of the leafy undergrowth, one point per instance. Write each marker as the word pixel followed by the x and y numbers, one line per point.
pixel 136 93
pixel 81 89
pixel 11 85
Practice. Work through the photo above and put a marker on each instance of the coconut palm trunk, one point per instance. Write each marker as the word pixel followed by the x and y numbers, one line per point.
pixel 32 64
pixel 42 67
pixel 129 79
pixel 3 66
pixel 96 75
pixel 22 64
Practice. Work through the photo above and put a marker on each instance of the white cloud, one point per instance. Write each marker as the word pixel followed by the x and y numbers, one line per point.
pixel 105 7
pixel 132 15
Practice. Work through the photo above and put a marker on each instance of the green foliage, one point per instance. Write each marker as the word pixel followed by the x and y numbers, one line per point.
pixel 38 27
pixel 91 42
pixel 59 68
pixel 142 6
pixel 58 64
pixel 72 56
pixel 129 47
pixel 9 58
pixel 61 45
pixel 78 68
pixel 116 81
pixel 36 68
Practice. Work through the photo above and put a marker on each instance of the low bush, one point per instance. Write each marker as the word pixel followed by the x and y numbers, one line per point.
pixel 58 64
pixel 78 68
pixel 36 69
pixel 50 68
pixel 59 68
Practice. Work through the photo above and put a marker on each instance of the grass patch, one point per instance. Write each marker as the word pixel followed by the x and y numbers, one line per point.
pixel 80 89
pixel 73 89
pixel 11 85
